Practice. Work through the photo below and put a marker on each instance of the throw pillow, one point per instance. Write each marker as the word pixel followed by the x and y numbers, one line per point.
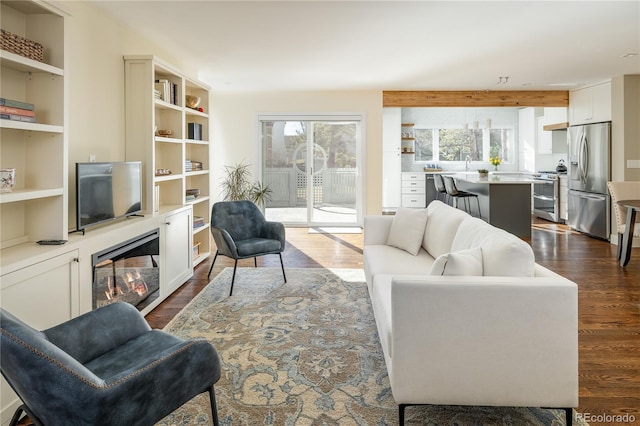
pixel 407 229
pixel 463 262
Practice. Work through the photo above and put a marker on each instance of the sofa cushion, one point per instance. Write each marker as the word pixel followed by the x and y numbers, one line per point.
pixel 503 254
pixel 407 229
pixel 383 259
pixel 443 221
pixel 463 262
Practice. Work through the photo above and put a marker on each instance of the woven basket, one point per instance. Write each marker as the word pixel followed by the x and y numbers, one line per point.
pixel 21 46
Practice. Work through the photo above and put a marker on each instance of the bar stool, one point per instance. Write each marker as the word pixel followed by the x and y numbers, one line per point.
pixel 440 189
pixel 455 194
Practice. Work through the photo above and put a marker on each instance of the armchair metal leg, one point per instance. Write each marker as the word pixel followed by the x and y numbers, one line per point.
pixel 233 278
pixel 282 265
pixel 212 263
pixel 17 416
pixel 214 407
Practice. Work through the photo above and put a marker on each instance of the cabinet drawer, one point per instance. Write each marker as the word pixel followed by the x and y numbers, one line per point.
pixel 413 184
pixel 413 177
pixel 411 191
pixel 416 200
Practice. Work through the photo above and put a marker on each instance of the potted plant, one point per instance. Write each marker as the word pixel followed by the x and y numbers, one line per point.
pixel 483 173
pixel 237 185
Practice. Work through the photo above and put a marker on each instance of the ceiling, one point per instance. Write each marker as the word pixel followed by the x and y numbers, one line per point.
pixel 393 45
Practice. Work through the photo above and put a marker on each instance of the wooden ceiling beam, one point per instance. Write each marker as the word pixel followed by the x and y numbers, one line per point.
pixel 476 98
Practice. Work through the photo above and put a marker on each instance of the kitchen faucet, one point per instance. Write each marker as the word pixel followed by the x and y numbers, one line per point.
pixel 466 163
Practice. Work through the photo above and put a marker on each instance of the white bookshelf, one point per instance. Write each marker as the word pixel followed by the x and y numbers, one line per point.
pixel 37 206
pixel 145 115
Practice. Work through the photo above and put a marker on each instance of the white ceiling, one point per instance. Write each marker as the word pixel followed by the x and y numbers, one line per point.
pixel 393 45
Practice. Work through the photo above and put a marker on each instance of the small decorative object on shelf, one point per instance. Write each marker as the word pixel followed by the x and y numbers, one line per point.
pixel 495 161
pixel 163 172
pixel 164 132
pixel 7 179
pixel 192 194
pixel 21 46
pixel 192 101
pixel 483 173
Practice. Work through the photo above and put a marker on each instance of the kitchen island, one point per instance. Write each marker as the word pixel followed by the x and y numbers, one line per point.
pixel 505 199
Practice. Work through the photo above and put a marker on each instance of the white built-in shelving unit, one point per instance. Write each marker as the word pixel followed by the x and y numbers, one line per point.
pixel 146 115
pixel 37 206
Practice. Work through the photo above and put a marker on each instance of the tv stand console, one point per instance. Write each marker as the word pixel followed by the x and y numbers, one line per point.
pixel 52 284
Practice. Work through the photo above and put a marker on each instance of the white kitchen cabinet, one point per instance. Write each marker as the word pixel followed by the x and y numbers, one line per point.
pixel 544 140
pixel 564 197
pixel 527 124
pixel 414 190
pixel 178 242
pixel 590 104
pixel 391 160
pixel 42 294
pixel 553 118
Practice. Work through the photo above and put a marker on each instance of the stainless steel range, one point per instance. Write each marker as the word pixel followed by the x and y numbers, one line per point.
pixel 546 196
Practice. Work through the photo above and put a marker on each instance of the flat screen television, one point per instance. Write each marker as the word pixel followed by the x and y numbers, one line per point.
pixel 107 191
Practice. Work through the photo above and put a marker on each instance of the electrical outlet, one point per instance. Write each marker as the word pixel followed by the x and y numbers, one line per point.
pixel 92 158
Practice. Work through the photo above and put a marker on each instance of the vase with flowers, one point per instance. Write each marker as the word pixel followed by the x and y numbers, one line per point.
pixel 495 161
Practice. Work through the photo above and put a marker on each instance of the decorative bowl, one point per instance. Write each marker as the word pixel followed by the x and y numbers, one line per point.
pixel 192 101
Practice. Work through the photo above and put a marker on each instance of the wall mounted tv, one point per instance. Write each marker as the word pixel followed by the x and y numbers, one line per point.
pixel 107 191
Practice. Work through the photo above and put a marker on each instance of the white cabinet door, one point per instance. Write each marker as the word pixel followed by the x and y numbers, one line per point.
pixel 178 242
pixel 391 172
pixel 591 104
pixel 601 101
pixel 391 129
pixel 391 161
pixel 580 106
pixel 544 138
pixel 42 295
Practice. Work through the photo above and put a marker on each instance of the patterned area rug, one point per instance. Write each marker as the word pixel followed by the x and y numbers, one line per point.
pixel 307 353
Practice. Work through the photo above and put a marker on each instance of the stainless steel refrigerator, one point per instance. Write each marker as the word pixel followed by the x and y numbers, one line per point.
pixel 589 171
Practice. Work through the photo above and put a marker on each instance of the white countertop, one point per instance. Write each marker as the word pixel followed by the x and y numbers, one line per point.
pixel 495 178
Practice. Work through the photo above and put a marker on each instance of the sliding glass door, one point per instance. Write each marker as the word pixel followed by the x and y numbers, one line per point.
pixel 312 166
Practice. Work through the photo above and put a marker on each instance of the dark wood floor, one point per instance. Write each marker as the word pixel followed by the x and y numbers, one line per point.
pixel 609 304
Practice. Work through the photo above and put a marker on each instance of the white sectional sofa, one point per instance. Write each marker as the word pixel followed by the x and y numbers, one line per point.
pixel 470 319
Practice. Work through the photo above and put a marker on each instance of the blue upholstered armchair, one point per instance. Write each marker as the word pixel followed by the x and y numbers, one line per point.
pixel 106 367
pixel 241 232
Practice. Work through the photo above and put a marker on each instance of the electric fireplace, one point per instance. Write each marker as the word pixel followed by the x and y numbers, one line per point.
pixel 128 272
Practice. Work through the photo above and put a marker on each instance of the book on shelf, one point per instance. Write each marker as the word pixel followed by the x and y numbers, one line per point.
pixel 189 198
pixel 163 85
pixel 17 111
pixel 14 117
pixel 198 221
pixel 17 104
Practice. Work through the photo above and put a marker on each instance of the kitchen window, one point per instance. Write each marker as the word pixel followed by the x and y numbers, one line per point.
pixel 455 144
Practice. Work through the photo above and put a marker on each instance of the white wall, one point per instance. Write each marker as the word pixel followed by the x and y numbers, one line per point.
pixel 96 45
pixel 235 131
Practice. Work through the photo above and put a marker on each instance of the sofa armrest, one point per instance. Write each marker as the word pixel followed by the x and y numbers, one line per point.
pixel 485 341
pixel 376 229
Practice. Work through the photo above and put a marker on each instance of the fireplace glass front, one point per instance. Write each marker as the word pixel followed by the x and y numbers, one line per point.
pixel 128 272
